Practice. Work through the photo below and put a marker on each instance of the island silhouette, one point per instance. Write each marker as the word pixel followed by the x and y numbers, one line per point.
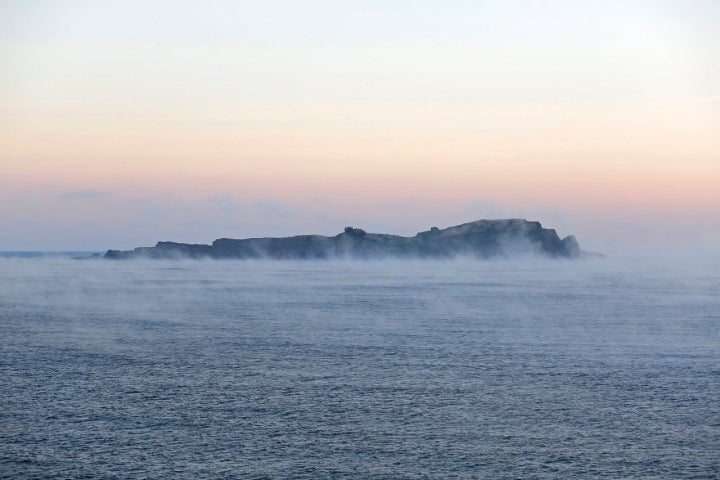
pixel 481 238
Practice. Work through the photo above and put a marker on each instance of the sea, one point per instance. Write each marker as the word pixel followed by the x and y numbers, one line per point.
pixel 463 369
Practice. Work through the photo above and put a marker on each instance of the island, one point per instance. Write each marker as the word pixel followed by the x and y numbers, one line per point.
pixel 481 239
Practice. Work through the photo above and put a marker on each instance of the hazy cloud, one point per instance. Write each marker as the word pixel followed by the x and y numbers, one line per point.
pixel 224 204
pixel 273 207
pixel 83 195
pixel 483 208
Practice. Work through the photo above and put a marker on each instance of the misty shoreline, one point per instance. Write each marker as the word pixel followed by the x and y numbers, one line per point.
pixel 481 239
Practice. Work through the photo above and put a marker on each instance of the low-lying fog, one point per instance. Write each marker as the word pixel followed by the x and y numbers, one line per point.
pixel 359 369
pixel 102 295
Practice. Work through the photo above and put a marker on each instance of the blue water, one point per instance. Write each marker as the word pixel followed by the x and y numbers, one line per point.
pixel 344 370
pixel 34 254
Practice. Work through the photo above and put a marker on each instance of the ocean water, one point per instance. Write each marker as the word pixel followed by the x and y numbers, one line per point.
pixel 352 370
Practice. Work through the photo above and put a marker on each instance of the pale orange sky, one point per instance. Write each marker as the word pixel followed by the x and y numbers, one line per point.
pixel 285 117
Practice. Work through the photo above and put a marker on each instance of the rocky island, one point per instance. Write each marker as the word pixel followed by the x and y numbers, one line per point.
pixel 482 238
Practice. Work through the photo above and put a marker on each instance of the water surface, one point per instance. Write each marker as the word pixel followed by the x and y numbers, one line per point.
pixel 375 370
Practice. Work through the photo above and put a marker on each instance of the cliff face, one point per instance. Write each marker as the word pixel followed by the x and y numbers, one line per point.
pixel 482 238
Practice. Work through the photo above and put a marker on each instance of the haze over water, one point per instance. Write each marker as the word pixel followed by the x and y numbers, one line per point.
pixel 127 123
pixel 366 370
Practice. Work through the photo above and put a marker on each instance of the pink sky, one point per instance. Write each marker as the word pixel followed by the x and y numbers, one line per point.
pixel 602 122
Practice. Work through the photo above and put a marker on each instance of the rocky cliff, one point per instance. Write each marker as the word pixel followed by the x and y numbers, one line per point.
pixel 482 238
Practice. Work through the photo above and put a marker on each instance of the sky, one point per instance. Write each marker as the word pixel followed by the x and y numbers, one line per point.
pixel 126 123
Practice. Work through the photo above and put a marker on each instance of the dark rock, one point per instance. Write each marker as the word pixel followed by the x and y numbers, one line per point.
pixel 482 238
